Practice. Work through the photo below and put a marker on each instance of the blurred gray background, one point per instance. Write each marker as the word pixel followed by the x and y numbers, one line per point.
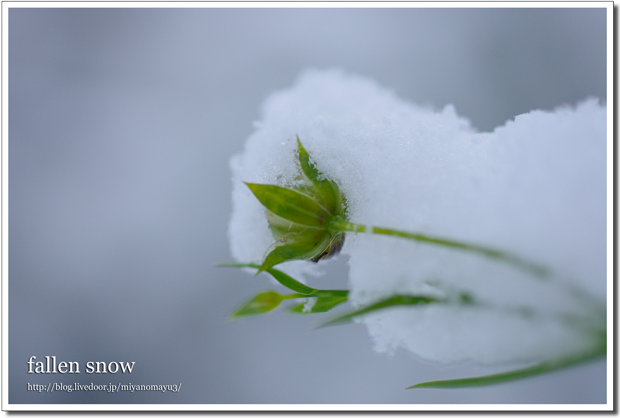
pixel 121 126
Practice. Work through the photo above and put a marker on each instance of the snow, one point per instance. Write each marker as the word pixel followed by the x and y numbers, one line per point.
pixel 535 187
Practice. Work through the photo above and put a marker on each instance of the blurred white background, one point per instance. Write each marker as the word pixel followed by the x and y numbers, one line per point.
pixel 121 126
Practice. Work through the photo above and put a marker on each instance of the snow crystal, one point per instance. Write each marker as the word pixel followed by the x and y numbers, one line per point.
pixel 535 187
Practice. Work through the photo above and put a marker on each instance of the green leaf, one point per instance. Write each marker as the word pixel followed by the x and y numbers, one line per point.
pixel 291 205
pixel 291 283
pixel 331 293
pixel 280 276
pixel 280 227
pixel 546 367
pixel 261 303
pixel 298 308
pixel 296 247
pixel 322 304
pixel 393 301
pixel 304 161
pixel 325 191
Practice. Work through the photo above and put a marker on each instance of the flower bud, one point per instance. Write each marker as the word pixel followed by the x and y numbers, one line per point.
pixel 299 217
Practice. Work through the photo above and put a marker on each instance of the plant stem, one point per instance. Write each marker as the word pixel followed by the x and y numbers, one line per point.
pixel 341 225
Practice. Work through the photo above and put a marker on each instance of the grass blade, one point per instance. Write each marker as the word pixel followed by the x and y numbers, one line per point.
pixel 287 281
pixel 393 301
pixel 493 379
pixel 323 304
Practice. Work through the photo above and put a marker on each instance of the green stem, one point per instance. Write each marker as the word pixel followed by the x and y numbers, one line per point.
pixel 341 225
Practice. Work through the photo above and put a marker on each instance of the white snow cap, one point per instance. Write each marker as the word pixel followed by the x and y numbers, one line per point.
pixel 535 187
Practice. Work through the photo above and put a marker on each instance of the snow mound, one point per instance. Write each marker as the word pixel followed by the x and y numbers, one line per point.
pixel 535 187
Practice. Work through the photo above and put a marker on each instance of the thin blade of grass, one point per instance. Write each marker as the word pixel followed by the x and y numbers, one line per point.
pixel 493 379
pixel 287 281
pixel 391 302
pixel 323 304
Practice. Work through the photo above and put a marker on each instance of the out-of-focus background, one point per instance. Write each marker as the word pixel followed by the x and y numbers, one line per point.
pixel 121 126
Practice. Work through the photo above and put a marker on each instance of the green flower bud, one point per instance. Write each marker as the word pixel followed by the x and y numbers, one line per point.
pixel 300 216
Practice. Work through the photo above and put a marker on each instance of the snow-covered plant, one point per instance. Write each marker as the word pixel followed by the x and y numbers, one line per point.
pixel 463 246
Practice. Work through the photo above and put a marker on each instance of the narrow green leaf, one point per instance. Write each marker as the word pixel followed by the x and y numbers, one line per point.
pixel 331 293
pixel 291 283
pixel 322 304
pixel 298 308
pixel 541 368
pixel 393 301
pixel 281 277
pixel 261 303
pixel 325 191
pixel 304 161
pixel 291 205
